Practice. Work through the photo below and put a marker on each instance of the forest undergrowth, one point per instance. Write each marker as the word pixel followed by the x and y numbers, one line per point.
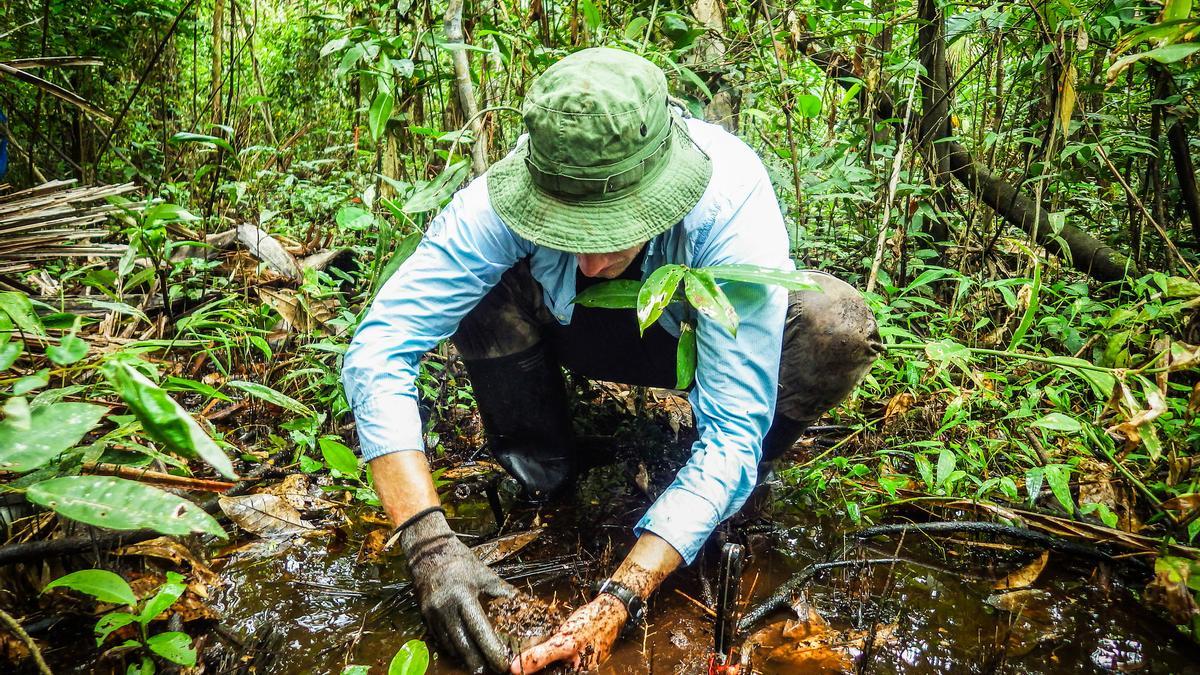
pixel 170 349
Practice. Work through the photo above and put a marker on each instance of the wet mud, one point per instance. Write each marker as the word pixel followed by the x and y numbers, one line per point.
pixel 320 606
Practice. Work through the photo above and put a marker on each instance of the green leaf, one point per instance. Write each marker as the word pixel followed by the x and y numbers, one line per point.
pixel 1166 54
pixel 1033 482
pixel 167 594
pixel 354 218
pixel 403 251
pixel 945 466
pixel 615 294
pixel 708 298
pixel 30 437
pixel 30 382
pixel 434 193
pixel 636 28
pixel 120 504
pixel 793 280
pixel 1176 10
pixel 657 293
pixel 111 622
pixel 100 584
pixel 380 113
pixel 163 419
pixel 1030 310
pixel 945 352
pixel 20 310
pixel 685 357
pixel 261 391
pixel 1058 477
pixel 339 457
pixel 203 139
pixel 173 646
pixel 412 659
pixel 808 105
pixel 591 15
pixel 1056 421
pixel 9 354
pixel 69 350
pixel 167 213
pixel 354 669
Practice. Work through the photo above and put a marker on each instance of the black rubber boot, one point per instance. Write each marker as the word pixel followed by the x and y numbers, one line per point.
pixel 523 404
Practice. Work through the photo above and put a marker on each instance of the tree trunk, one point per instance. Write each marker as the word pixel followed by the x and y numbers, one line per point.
pixel 1087 254
pixel 1185 171
pixel 218 21
pixel 465 88
pixel 935 109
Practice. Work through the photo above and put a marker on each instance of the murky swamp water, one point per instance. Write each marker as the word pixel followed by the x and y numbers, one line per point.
pixel 315 608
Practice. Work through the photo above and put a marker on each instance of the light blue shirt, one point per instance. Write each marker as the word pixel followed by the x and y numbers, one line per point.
pixel 466 249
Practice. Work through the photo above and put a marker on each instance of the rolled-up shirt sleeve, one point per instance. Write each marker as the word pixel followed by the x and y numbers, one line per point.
pixel 733 399
pixel 462 255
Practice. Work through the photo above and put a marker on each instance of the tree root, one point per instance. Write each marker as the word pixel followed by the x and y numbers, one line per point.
pixel 986 527
pixel 15 627
pixel 783 595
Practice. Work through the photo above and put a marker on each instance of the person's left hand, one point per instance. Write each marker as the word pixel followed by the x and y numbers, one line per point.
pixel 584 640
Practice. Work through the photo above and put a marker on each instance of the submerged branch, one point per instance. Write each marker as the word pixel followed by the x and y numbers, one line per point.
pixel 782 597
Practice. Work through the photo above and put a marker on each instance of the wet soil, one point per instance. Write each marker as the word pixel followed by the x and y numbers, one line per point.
pixel 523 620
pixel 319 609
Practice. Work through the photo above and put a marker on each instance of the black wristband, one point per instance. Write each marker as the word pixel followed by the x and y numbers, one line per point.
pixel 395 536
pixel 634 605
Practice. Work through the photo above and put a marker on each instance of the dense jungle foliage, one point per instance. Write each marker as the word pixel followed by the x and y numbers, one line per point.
pixel 1012 185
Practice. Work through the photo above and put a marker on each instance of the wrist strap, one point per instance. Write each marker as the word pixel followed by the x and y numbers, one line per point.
pixel 633 602
pixel 391 541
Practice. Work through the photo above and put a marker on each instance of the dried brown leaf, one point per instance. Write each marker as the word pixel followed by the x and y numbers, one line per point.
pixel 1188 502
pixel 166 548
pixel 266 515
pixel 492 552
pixel 1025 576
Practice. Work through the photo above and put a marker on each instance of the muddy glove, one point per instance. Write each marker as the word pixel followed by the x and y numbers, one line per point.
pixel 449 580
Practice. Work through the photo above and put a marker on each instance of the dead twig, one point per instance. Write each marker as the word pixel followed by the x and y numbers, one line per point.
pixel 15 627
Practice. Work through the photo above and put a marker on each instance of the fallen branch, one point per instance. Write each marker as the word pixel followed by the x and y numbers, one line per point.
pixel 782 597
pixel 986 527
pixel 157 478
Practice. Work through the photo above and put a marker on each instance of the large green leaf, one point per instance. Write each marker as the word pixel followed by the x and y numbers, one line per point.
pixel 339 457
pixel 616 294
pixel 273 397
pixel 708 298
pixel 9 354
pixel 438 190
pixel 173 646
pixel 165 420
pixel 793 280
pixel 100 584
pixel 685 357
pixel 167 594
pixel 30 437
pixel 70 349
pixel 203 139
pixel 1175 10
pixel 18 307
pixel 120 504
pixel 380 113
pixel 412 659
pixel 657 293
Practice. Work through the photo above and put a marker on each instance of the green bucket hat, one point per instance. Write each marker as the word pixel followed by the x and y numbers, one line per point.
pixel 607 163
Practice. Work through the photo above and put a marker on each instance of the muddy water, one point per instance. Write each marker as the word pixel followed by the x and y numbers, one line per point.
pixel 314 608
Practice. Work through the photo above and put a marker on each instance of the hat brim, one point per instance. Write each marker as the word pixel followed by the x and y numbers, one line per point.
pixel 601 226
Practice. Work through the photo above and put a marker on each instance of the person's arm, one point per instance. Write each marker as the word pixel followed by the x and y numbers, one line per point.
pixel 598 623
pixel 463 254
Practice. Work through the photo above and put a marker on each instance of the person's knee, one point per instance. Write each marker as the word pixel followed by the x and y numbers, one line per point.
pixel 830 341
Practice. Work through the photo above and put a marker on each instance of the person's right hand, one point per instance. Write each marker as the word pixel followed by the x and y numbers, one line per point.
pixel 449 579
